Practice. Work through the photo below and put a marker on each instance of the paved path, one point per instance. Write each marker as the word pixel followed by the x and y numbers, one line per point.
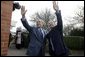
pixel 22 52
pixel 77 53
pixel 15 52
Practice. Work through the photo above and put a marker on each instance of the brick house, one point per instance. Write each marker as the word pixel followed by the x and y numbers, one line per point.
pixel 6 12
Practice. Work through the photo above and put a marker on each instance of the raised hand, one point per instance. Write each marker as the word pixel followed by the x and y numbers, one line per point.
pixel 55 6
pixel 23 11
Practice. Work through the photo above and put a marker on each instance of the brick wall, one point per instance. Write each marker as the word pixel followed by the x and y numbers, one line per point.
pixel 6 12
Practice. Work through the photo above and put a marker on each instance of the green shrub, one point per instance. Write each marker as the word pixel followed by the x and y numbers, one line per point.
pixel 74 42
pixel 26 39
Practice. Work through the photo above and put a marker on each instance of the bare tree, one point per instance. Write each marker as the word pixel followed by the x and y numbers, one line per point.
pixel 44 15
pixel 77 19
pixel 79 16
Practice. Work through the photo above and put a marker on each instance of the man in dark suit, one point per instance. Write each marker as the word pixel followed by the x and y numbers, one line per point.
pixel 35 47
pixel 55 35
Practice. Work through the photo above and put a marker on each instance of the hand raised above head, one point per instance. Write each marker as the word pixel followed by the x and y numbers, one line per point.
pixel 23 11
pixel 55 6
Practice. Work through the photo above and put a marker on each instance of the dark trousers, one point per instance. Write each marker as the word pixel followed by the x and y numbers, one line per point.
pixel 52 53
pixel 18 46
pixel 42 52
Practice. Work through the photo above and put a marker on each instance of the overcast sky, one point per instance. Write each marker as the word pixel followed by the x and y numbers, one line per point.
pixel 67 9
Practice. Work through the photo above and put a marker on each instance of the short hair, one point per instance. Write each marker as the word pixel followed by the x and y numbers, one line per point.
pixel 43 22
pixel 52 22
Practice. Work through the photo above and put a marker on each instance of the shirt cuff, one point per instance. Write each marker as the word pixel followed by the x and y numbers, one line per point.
pixel 23 18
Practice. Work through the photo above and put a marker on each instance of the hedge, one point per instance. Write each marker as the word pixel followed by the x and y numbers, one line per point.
pixel 26 39
pixel 74 42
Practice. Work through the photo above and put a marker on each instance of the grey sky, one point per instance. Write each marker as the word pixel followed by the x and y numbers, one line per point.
pixel 67 9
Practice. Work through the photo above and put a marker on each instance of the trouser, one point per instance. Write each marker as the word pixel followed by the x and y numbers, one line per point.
pixel 42 52
pixel 18 46
pixel 52 53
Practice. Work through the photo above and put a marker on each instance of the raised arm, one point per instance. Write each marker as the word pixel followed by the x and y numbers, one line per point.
pixel 23 19
pixel 58 14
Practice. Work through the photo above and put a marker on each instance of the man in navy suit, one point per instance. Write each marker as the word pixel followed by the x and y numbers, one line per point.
pixel 35 47
pixel 55 35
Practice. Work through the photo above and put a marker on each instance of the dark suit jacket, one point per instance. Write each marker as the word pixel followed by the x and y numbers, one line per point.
pixel 56 35
pixel 36 41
